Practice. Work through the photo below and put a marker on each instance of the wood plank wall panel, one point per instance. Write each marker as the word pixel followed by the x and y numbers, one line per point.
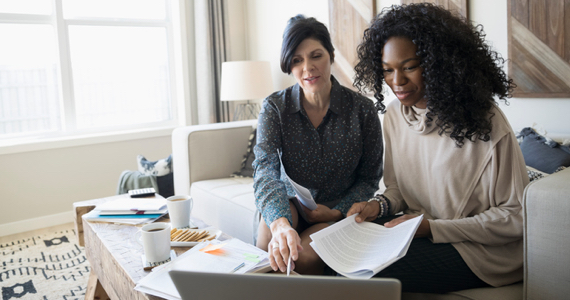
pixel 567 30
pixel 457 6
pixel 348 20
pixel 555 26
pixel 537 18
pixel 539 47
pixel 519 10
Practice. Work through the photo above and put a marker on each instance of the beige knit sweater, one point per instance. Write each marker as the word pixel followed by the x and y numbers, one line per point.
pixel 470 195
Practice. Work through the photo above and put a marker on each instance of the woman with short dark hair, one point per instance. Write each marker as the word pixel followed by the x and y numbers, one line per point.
pixel 326 138
pixel 451 154
pixel 299 29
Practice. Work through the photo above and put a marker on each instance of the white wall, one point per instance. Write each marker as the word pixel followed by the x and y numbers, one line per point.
pixel 267 19
pixel 237 36
pixel 38 188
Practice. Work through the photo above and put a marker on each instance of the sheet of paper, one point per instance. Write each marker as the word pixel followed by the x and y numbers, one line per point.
pixel 150 203
pixel 133 212
pixel 360 250
pixel 238 249
pixel 303 194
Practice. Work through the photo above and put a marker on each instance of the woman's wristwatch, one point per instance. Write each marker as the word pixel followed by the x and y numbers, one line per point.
pixel 384 205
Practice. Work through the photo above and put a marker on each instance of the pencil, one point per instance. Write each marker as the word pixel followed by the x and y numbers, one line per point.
pixel 238 267
pixel 289 265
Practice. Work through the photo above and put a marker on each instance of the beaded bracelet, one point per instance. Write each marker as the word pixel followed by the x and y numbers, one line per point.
pixel 384 205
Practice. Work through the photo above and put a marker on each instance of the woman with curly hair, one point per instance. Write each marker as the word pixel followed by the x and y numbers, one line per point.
pixel 450 153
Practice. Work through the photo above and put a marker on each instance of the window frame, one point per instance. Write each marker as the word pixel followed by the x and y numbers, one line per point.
pixel 177 29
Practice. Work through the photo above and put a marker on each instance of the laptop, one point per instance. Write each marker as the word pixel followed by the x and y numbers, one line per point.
pixel 198 285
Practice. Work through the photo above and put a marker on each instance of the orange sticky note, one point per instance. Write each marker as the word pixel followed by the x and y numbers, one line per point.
pixel 213 249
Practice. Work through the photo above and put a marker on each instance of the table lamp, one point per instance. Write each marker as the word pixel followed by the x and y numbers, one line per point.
pixel 245 81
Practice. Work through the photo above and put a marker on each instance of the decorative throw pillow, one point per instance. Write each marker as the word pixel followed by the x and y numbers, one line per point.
pixel 534 174
pixel 165 185
pixel 246 169
pixel 543 153
pixel 160 167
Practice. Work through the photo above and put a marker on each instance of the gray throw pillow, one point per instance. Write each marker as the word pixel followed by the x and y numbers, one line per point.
pixel 541 153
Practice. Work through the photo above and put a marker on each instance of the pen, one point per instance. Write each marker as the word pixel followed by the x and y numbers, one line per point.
pixel 238 267
pixel 289 266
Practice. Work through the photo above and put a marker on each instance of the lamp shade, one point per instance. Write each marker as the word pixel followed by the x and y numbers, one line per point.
pixel 246 80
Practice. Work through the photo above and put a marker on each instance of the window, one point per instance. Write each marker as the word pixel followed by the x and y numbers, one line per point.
pixel 70 67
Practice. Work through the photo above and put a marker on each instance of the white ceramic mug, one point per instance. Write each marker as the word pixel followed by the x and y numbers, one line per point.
pixel 179 210
pixel 156 241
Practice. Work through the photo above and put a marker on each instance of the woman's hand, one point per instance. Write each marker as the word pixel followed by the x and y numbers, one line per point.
pixel 322 214
pixel 285 241
pixel 367 211
pixel 424 230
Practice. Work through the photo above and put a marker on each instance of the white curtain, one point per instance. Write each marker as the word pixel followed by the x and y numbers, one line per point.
pixel 210 40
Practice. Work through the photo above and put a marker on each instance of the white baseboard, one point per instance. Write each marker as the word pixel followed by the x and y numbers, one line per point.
pixel 36 223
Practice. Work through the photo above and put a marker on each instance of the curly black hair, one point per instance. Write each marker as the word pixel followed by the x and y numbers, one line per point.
pixel 461 72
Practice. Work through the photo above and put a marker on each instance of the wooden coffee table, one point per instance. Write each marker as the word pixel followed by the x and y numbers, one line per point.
pixel 114 254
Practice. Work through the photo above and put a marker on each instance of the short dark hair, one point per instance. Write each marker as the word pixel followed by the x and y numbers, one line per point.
pixel 298 29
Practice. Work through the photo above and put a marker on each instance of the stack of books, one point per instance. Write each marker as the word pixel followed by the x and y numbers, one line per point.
pixel 126 210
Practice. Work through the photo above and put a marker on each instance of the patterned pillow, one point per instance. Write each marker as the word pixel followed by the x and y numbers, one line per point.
pixel 534 174
pixel 160 167
pixel 542 153
pixel 246 169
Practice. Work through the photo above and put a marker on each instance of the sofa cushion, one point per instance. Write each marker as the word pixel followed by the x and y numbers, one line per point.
pixel 507 292
pixel 226 204
pixel 547 238
pixel 246 169
pixel 541 152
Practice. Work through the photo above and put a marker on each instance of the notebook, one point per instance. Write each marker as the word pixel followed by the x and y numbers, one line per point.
pixel 197 285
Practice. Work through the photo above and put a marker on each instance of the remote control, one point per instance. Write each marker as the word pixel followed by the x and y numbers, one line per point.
pixel 139 193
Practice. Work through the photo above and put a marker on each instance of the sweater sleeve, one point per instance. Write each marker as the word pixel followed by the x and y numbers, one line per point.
pixel 502 182
pixel 270 193
pixel 369 170
pixel 392 192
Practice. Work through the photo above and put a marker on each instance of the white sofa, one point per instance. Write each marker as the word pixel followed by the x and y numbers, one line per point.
pixel 204 156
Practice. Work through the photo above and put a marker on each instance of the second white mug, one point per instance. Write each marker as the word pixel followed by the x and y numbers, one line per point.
pixel 179 210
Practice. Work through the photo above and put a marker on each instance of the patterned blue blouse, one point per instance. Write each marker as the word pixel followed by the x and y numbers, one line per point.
pixel 340 162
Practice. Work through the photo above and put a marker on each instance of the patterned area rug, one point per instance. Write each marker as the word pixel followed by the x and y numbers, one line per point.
pixel 48 266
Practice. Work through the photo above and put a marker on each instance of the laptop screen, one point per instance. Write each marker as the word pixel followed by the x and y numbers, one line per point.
pixel 197 285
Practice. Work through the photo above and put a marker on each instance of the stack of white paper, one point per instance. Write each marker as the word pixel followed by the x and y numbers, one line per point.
pixel 127 210
pixel 238 257
pixel 360 250
pixel 127 204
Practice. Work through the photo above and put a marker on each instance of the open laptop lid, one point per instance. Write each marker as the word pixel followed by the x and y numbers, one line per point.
pixel 197 285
